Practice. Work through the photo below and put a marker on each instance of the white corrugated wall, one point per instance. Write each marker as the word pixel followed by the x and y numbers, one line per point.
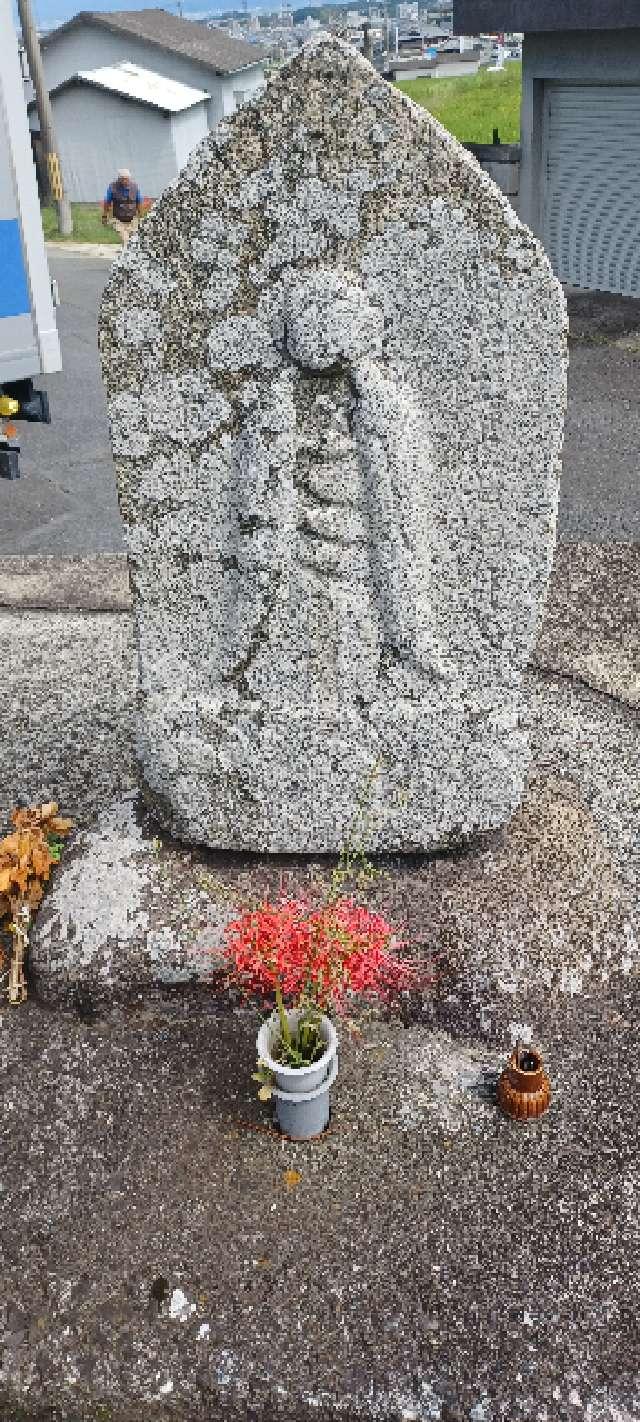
pixel 98 133
pixel 591 185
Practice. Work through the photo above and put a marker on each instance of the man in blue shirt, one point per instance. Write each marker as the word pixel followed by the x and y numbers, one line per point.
pixel 124 199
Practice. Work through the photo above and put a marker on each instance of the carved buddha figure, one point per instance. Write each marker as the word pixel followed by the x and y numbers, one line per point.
pixel 334 514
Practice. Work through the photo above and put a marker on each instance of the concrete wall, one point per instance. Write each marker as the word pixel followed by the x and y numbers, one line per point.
pixel 502 163
pixel 99 133
pixel 457 69
pixel 597 57
pixel 91 47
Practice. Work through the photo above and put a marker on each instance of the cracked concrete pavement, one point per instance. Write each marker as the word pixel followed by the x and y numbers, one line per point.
pixel 435 1260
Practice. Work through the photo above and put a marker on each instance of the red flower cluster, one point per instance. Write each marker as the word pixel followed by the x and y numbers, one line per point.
pixel 321 953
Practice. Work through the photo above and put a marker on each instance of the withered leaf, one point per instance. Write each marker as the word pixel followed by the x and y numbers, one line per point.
pixel 41 860
pixel 11 844
pixel 34 894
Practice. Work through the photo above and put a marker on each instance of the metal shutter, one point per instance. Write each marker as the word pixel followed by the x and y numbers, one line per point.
pixel 591 179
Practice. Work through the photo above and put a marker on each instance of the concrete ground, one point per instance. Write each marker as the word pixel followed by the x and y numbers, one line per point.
pixel 164 1253
pixel 65 502
pixel 427 1258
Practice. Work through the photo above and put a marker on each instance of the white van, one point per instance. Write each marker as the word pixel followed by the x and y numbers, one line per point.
pixel 29 343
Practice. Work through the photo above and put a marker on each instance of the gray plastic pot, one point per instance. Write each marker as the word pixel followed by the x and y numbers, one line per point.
pixel 301 1093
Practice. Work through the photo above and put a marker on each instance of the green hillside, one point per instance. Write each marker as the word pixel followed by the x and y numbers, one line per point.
pixel 472 108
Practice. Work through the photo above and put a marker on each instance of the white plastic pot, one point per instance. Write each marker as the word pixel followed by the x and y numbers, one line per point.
pixel 301 1093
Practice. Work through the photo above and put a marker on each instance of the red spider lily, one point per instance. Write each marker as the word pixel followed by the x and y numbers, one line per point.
pixel 317 954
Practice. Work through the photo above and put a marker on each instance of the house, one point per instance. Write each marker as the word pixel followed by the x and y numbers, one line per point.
pixel 140 89
pixel 123 116
pixel 442 66
pixel 579 185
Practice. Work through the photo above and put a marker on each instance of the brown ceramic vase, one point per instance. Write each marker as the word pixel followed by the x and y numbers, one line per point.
pixel 524 1095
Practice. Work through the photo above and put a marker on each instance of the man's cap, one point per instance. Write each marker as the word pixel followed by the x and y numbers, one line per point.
pixel 123 173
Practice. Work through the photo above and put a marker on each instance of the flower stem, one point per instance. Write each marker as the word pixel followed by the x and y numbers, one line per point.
pixel 284 1021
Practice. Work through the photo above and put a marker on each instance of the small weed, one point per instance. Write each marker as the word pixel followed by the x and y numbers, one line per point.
pixel 215 888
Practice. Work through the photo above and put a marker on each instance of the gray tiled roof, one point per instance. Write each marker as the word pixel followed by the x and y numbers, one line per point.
pixel 210 47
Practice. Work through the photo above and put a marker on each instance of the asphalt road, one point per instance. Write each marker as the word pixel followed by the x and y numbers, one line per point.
pixel 65 502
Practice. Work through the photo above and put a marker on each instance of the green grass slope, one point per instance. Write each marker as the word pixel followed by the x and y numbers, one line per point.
pixel 87 224
pixel 471 108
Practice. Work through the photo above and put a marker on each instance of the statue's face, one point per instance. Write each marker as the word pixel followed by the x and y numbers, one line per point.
pixel 329 323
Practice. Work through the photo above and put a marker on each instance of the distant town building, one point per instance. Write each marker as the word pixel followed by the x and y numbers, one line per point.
pixel 443 66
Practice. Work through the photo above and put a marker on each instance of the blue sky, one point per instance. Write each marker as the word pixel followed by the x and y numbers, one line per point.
pixel 49 13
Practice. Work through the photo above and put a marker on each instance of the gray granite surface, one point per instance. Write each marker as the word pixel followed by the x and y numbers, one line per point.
pixel 335 367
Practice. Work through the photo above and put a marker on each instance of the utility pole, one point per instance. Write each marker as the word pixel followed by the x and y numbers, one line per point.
pixel 45 114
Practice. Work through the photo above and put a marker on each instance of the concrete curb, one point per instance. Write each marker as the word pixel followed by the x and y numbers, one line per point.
pixel 84 584
pixel 84 249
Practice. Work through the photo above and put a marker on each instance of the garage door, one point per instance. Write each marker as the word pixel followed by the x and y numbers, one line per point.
pixel 591 178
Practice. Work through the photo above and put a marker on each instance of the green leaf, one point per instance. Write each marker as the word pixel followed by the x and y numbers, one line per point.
pixel 55 847
pixel 265 1079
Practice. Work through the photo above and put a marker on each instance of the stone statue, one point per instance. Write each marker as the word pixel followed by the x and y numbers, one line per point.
pixel 337 412
pixel 336 523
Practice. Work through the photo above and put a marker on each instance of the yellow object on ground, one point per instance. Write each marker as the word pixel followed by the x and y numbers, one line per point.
pixel 55 177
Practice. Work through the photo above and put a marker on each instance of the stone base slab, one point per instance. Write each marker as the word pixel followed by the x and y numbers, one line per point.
pixel 167 1256
pixel 510 926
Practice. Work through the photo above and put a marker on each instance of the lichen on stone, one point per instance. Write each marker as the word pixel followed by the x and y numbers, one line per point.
pixel 357 392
